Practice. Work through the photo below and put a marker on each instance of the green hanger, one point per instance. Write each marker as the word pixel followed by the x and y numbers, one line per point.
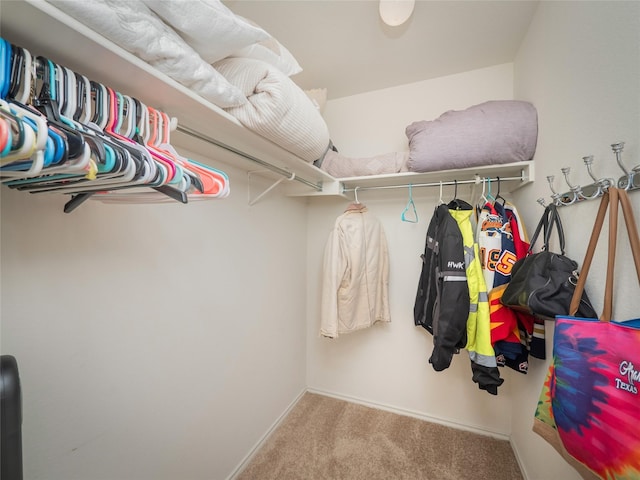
pixel 412 206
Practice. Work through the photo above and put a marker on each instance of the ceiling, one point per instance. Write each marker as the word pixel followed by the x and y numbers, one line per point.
pixel 344 46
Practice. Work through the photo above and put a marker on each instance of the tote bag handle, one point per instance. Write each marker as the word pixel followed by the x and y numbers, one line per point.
pixel 611 198
pixel 546 223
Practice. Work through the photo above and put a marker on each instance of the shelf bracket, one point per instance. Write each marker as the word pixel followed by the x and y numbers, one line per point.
pixel 252 202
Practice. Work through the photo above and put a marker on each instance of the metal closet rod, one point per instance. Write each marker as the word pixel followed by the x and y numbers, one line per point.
pixel 477 180
pixel 267 165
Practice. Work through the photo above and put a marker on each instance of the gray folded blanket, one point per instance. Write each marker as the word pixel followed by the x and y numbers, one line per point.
pixel 339 166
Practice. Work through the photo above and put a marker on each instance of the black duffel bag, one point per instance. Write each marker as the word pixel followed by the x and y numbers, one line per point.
pixel 542 284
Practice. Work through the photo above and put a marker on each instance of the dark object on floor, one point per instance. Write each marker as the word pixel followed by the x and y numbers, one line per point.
pixel 10 419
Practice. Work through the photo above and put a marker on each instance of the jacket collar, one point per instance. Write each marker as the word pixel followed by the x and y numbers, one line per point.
pixel 356 207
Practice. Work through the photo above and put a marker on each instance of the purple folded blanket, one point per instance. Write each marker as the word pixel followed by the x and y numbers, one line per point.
pixel 494 132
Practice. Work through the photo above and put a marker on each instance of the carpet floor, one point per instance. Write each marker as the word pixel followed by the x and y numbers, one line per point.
pixel 327 438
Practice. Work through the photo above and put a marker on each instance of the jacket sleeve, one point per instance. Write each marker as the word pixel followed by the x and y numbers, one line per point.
pixel 487 378
pixel 333 271
pixel 426 294
pixel 450 323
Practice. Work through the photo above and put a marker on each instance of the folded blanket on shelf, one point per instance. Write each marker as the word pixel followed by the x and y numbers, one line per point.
pixel 136 29
pixel 277 108
pixel 494 132
pixel 208 26
pixel 339 166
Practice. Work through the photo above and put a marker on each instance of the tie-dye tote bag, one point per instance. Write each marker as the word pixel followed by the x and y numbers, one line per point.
pixel 590 402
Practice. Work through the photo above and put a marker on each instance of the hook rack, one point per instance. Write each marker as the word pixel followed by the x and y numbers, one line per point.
pixel 629 181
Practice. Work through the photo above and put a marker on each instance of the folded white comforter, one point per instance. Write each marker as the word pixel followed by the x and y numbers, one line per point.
pixel 277 108
pixel 135 28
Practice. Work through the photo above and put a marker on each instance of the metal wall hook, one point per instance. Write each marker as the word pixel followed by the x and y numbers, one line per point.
pixel 542 202
pixel 564 198
pixel 550 181
pixel 617 149
pixel 555 195
pixel 566 171
pixel 588 161
pixel 631 182
pixel 631 179
pixel 599 185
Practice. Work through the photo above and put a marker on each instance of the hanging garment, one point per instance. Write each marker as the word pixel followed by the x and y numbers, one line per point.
pixel 520 237
pixel 532 329
pixel 501 237
pixel 355 277
pixel 483 359
pixel 442 301
pixel 489 238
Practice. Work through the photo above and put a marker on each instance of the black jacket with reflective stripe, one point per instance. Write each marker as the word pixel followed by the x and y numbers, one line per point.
pixel 442 302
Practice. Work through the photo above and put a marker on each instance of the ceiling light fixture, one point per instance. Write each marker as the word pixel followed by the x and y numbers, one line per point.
pixel 396 12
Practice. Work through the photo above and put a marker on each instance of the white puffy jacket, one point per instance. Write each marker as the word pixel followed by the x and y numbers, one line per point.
pixel 355 277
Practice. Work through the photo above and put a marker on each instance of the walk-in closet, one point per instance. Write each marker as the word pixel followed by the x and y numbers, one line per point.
pixel 167 333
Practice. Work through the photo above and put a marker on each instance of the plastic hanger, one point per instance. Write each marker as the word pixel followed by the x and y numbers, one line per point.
pixel 29 159
pixel 80 98
pixel 152 166
pixel 483 197
pixel 17 71
pixel 4 135
pixel 71 94
pixel 355 205
pixel 456 203
pixel 84 99
pixel 154 134
pixel 5 67
pixel 65 139
pixel 209 181
pixel 499 198
pixel 16 130
pixel 490 198
pixel 61 132
pixel 483 200
pixel 453 204
pixel 23 95
pixel 99 104
pixel 16 113
pixel 59 87
pixel 410 205
pixel 440 200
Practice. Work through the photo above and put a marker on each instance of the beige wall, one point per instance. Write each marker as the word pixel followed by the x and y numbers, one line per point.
pixel 388 364
pixel 153 341
pixel 580 65
pixel 150 344
pixel 375 122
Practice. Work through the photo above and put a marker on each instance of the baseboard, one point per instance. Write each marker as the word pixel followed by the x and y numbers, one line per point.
pixel 249 456
pixel 519 460
pixel 412 413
